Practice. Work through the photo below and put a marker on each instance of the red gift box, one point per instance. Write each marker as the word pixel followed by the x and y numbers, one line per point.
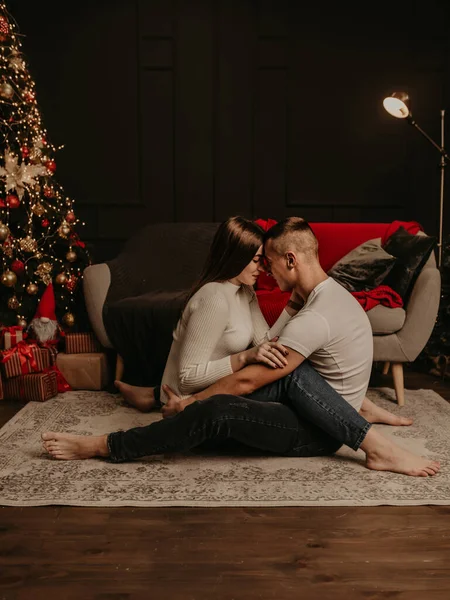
pixel 23 359
pixel 81 343
pixel 36 387
pixel 11 336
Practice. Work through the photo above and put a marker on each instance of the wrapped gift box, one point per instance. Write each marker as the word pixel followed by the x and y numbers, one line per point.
pixel 11 336
pixel 82 343
pixel 90 371
pixel 24 359
pixel 36 387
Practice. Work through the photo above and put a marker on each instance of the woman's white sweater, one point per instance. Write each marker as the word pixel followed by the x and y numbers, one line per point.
pixel 221 319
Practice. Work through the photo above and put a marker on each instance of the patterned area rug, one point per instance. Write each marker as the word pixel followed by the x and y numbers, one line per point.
pixel 28 477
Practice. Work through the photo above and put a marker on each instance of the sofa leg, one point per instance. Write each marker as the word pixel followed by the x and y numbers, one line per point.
pixel 399 385
pixel 119 368
pixel 386 366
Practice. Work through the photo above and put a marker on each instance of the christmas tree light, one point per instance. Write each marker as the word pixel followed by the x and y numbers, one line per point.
pixel 38 240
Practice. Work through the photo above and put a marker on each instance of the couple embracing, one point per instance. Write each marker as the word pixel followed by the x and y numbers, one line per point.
pixel 295 389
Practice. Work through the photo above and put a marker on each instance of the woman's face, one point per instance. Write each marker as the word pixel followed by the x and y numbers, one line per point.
pixel 250 274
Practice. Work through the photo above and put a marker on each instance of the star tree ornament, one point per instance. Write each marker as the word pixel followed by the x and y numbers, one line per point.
pixel 19 177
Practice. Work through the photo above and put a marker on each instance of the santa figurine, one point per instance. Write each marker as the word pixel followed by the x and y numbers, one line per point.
pixel 44 324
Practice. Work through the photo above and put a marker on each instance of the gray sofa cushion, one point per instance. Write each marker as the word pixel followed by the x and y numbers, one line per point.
pixel 385 320
pixel 364 267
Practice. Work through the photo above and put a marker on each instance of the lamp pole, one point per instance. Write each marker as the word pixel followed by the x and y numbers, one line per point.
pixel 441 199
pixel 444 158
pixel 397 105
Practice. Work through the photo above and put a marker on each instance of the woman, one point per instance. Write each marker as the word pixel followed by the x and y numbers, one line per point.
pixel 221 329
pixel 211 340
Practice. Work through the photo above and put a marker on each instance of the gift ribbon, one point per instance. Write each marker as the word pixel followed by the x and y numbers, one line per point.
pixel 26 357
pixel 13 330
pixel 63 386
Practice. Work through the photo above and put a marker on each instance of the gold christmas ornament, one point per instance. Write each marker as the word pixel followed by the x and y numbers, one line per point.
pixel 32 289
pixel 6 90
pixel 61 278
pixel 38 209
pixel 21 322
pixel 28 244
pixel 71 256
pixel 8 251
pixel 64 229
pixel 69 319
pixel 4 232
pixel 13 303
pixel 44 271
pixel 9 278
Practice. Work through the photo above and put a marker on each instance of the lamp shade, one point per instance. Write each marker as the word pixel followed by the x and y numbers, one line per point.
pixel 397 105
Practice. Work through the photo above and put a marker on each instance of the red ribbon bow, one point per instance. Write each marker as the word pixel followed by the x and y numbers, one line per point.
pixel 26 357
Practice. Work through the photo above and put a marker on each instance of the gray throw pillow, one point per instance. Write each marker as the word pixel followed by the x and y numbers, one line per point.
pixel 364 267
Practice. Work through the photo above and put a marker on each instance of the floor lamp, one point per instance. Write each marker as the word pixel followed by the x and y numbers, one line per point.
pixel 397 105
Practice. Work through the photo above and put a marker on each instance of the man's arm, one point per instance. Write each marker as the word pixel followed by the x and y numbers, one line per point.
pixel 250 378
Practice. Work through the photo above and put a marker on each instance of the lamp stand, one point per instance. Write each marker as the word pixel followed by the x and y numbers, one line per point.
pixel 444 158
pixel 441 199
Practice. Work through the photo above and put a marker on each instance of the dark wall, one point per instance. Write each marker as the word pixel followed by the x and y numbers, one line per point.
pixel 194 110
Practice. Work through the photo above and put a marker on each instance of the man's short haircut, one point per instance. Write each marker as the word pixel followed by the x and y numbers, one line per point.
pixel 293 233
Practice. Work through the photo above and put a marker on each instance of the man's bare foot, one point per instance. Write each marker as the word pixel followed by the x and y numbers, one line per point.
pixel 142 398
pixel 65 446
pixel 384 455
pixel 375 414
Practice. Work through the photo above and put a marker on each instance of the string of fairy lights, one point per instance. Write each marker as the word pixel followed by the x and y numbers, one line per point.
pixel 26 169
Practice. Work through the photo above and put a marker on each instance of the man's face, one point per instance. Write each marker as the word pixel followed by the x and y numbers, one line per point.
pixel 277 267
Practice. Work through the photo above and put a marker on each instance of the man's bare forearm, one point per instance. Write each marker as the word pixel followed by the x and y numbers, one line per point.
pixel 231 384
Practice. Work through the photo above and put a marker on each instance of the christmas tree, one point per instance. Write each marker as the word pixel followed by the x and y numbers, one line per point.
pixel 39 244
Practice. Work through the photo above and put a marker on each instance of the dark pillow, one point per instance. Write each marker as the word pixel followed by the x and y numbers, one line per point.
pixel 364 267
pixel 412 252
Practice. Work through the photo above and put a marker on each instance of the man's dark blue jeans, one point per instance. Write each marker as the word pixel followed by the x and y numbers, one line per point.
pixel 299 415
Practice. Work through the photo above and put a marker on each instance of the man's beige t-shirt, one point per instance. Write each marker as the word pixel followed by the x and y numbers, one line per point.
pixel 333 332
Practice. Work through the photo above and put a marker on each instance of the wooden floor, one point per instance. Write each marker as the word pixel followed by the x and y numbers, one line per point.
pixel 232 554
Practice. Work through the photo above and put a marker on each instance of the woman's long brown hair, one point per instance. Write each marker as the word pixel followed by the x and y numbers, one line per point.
pixel 235 243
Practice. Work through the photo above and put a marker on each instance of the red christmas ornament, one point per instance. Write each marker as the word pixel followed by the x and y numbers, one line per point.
pixel 51 165
pixel 12 201
pixel 25 152
pixel 4 29
pixel 18 267
pixel 71 283
pixel 45 222
pixel 29 96
pixel 43 141
pixel 70 217
pixel 48 192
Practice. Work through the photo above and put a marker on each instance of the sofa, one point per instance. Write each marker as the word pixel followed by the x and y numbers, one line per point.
pixel 134 300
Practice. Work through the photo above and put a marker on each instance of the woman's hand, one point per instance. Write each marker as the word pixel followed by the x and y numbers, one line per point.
pixel 270 353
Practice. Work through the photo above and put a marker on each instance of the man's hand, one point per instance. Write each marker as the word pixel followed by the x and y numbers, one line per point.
pixel 174 404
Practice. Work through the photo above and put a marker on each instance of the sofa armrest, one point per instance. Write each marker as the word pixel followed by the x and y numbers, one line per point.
pixel 421 313
pixel 96 282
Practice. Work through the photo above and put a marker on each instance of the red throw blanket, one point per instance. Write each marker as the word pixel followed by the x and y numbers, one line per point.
pixel 380 295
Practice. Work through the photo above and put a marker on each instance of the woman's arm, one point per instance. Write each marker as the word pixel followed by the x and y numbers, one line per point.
pixel 205 326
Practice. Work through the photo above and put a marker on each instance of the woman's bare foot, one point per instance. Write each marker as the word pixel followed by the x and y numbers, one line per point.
pixel 374 414
pixel 384 455
pixel 142 398
pixel 65 446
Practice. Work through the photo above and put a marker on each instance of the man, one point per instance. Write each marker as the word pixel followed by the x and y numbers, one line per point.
pixel 333 332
